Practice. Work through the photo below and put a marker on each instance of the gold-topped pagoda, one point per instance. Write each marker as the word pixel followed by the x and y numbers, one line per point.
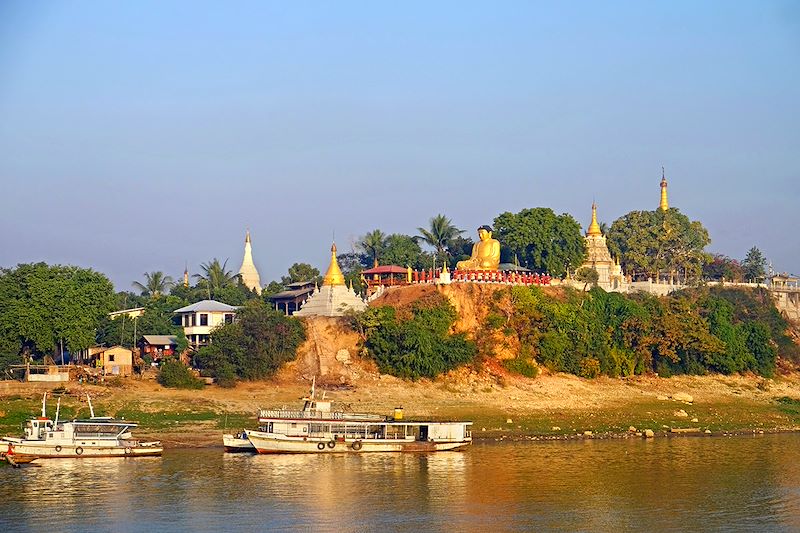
pixel 334 274
pixel 599 258
pixel 594 227
pixel 334 298
pixel 664 204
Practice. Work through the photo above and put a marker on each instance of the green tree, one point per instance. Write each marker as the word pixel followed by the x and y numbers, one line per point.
pixel 43 305
pixel 215 277
pixel 723 267
pixel 754 265
pixel 588 276
pixel 420 346
pixel 651 242
pixel 404 250
pixel 254 346
pixel 541 240
pixel 438 235
pixel 155 284
pixel 372 244
pixel 301 272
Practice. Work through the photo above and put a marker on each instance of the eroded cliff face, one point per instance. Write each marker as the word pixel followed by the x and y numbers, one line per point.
pixel 332 349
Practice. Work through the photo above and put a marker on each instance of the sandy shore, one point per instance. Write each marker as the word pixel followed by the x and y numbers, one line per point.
pixel 547 407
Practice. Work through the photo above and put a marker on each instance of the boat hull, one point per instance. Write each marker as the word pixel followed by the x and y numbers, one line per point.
pixel 23 448
pixel 234 444
pixel 267 443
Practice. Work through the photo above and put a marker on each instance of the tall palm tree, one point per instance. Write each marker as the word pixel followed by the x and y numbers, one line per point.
pixel 155 284
pixel 373 244
pixel 439 233
pixel 216 276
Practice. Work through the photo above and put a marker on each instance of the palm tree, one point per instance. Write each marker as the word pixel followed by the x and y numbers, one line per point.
pixel 373 243
pixel 155 284
pixel 439 233
pixel 216 276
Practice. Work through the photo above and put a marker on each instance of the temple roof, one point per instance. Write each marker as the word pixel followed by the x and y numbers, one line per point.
pixel 386 269
pixel 206 305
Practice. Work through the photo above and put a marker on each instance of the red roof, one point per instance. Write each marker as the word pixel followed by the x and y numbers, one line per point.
pixel 386 269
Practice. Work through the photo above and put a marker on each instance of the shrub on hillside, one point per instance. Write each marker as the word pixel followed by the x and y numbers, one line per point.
pixel 419 345
pixel 253 347
pixel 176 375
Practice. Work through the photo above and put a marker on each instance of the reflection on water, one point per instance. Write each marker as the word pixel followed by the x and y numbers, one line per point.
pixel 682 484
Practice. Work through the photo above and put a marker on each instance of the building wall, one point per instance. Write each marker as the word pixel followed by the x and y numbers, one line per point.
pixel 117 361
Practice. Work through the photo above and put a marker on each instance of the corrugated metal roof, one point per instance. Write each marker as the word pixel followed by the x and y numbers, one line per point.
pixel 160 339
pixel 386 269
pixel 206 305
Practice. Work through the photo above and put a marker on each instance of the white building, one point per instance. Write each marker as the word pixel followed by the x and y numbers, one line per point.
pixel 199 319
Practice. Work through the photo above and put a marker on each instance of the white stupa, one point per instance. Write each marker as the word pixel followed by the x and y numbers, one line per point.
pixel 334 298
pixel 248 271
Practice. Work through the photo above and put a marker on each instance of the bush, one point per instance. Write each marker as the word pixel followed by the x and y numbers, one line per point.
pixel 590 368
pixel 522 366
pixel 419 346
pixel 176 375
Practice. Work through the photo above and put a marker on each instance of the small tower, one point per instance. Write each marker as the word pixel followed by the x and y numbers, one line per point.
pixel 334 274
pixel 248 271
pixel 186 276
pixel 664 205
pixel 594 227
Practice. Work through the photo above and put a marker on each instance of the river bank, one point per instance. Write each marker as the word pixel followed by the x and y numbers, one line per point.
pixel 548 407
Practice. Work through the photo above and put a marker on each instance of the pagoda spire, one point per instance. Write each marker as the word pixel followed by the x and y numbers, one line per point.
pixel 594 227
pixel 186 275
pixel 664 205
pixel 248 270
pixel 334 274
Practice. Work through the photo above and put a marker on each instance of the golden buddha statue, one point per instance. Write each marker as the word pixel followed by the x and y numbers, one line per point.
pixel 485 252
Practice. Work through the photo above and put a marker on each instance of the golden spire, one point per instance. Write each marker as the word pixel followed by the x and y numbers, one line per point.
pixel 664 205
pixel 186 276
pixel 334 274
pixel 594 227
pixel 247 236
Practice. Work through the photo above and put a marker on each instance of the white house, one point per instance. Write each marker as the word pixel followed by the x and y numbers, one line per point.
pixel 199 319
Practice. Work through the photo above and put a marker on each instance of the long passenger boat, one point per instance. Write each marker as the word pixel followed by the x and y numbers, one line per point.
pixel 316 428
pixel 98 436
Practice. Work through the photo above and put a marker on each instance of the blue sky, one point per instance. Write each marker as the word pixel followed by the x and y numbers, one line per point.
pixel 138 136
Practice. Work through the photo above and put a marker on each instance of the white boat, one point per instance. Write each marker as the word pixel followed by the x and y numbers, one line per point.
pixel 98 436
pixel 237 443
pixel 318 429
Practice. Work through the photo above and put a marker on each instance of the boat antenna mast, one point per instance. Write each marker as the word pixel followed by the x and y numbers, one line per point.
pixel 44 400
pixel 58 409
pixel 91 409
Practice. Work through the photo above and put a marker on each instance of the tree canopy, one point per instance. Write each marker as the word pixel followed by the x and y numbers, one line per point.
pixel 253 346
pixel 541 240
pixel 650 242
pixel 439 234
pixel 155 284
pixel 754 265
pixel 41 305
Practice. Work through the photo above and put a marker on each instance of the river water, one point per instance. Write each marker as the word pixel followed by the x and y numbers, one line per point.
pixel 678 484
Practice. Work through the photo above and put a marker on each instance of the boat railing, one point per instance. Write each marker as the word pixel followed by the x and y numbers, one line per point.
pixel 310 414
pixel 317 414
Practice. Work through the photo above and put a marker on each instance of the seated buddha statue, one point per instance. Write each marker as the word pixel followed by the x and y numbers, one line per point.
pixel 485 252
